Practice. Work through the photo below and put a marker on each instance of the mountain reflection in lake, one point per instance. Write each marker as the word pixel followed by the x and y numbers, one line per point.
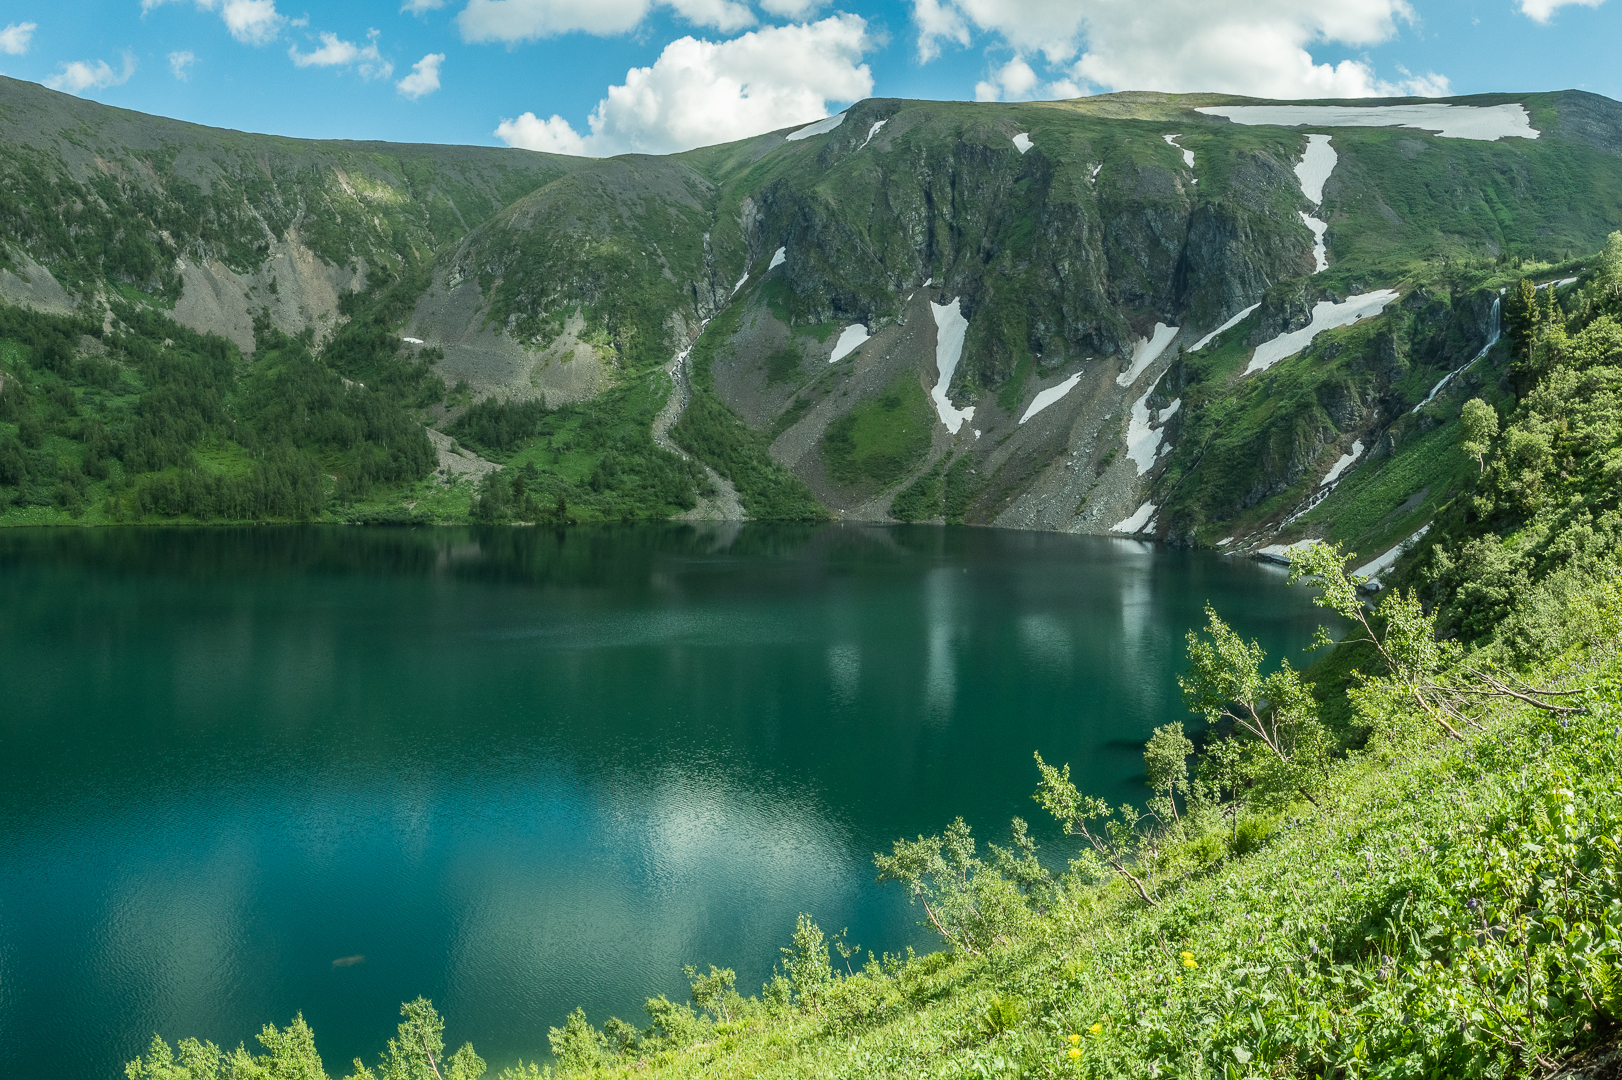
pixel 519 770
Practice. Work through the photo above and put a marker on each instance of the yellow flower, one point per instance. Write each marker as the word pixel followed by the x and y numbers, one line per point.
pixel 1186 955
pixel 1096 1028
pixel 1176 978
pixel 1075 1038
pixel 1188 961
pixel 1074 1053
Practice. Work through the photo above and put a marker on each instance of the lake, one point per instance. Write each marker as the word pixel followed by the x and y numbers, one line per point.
pixel 520 770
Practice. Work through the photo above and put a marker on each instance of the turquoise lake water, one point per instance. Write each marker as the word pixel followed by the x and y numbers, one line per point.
pixel 520 770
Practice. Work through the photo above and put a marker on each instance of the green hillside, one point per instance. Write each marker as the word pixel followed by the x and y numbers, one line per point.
pixel 527 313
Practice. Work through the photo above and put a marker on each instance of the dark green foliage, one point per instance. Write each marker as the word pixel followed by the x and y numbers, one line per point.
pixel 1549 496
pixel 285 484
pixel 942 492
pixel 598 457
pixel 496 427
pixel 784 365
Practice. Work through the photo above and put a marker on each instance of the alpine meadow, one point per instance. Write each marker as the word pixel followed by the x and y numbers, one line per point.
pixel 1374 344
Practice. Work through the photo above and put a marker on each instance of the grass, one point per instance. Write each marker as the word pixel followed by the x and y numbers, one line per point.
pixel 883 438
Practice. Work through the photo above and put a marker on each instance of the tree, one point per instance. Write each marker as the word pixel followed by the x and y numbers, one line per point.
pixel 1116 841
pixel 1402 634
pixel 714 993
pixel 576 1045
pixel 1276 712
pixel 418 1053
pixel 291 1055
pixel 1610 267
pixel 971 905
pixel 807 961
pixel 1165 765
pixel 1478 424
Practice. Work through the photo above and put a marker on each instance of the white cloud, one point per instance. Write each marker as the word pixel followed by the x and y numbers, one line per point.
pixel 553 136
pixel 1257 47
pixel 528 20
pixel 1030 26
pixel 252 22
pixel 420 7
pixel 14 38
pixel 1014 81
pixel 81 75
pixel 180 61
pixel 1543 10
pixel 336 52
pixel 424 77
pixel 791 9
pixel 701 92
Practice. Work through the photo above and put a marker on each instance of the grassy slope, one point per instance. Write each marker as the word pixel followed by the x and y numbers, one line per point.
pixel 1289 942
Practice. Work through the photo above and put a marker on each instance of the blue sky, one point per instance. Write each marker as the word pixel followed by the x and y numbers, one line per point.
pixel 607 76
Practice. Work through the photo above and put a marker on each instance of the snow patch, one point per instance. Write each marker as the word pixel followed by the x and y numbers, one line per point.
pixel 1558 284
pixel 1375 567
pixel 1050 396
pixel 1145 432
pixel 1137 522
pixel 1093 177
pixel 1326 315
pixel 1320 253
pixel 1225 541
pixel 1342 463
pixel 850 339
pixel 1145 352
pixel 1022 142
pixel 950 326
pixel 1283 553
pixel 872 131
pixel 821 127
pixel 1188 155
pixel 1486 123
pixel 741 280
pixel 412 340
pixel 1223 329
pixel 778 258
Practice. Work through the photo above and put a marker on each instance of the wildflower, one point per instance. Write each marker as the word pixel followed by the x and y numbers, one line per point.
pixel 1074 1054
pixel 1095 1029
pixel 1075 1039
pixel 1188 961
pixel 1176 978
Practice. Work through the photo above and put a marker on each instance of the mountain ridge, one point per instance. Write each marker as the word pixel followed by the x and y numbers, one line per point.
pixel 533 277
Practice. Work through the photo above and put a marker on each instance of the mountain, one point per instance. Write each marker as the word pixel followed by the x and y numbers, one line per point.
pixel 993 313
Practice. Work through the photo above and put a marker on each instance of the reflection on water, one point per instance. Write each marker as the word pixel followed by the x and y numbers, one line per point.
pixel 246 773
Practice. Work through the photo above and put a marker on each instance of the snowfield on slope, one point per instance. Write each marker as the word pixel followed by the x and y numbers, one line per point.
pixel 821 127
pixel 1223 329
pixel 1486 123
pixel 1313 169
pixel 1050 396
pixel 1326 315
pixel 950 327
pixel 1145 352
pixel 1145 432
pixel 850 339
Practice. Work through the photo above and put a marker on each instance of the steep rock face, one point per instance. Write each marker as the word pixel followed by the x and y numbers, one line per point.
pixel 1068 250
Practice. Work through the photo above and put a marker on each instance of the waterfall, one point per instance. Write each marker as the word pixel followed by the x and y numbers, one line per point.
pixel 1494 330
